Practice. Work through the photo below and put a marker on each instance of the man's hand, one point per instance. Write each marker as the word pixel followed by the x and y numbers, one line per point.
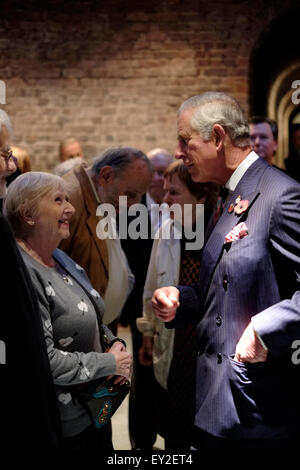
pixel 249 347
pixel 145 352
pixel 165 302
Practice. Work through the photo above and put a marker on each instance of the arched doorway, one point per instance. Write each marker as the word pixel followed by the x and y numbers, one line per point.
pixel 275 66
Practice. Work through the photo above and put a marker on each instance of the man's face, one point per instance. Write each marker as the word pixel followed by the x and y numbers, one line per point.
pixel 296 139
pixel 159 163
pixel 132 182
pixel 262 141
pixel 200 157
pixel 71 151
pixel 7 164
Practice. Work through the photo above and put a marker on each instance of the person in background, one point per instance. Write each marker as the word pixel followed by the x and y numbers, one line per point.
pixel 69 148
pixel 7 162
pixel 263 137
pixel 39 212
pixel 173 353
pixel 63 167
pixel 292 162
pixel 23 158
pixel 160 159
pixel 138 254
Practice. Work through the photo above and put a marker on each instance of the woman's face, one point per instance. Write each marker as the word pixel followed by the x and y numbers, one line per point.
pixel 54 214
pixel 176 192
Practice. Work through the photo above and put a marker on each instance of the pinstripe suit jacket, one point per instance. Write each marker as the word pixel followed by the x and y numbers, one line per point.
pixel 249 279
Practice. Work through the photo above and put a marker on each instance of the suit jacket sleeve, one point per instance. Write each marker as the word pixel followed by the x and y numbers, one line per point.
pixel 279 324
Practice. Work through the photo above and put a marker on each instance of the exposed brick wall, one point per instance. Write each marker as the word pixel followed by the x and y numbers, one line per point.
pixel 114 72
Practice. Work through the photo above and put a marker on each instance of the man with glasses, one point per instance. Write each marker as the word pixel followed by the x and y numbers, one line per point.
pixel 7 163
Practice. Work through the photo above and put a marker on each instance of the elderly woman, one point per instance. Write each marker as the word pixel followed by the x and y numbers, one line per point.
pixel 39 212
pixel 174 352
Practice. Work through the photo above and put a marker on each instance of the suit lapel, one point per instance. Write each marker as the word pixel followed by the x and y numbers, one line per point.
pixel 247 188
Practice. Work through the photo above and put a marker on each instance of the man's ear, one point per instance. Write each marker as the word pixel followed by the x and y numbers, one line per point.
pixel 219 136
pixel 202 200
pixel 106 175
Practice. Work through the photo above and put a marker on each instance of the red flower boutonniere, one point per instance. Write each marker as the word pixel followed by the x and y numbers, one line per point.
pixel 241 206
pixel 238 231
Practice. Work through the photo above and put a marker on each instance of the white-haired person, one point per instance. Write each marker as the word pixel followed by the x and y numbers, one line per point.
pixel 174 352
pixel 39 212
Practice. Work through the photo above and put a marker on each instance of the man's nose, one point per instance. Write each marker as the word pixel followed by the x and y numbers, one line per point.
pixel 179 152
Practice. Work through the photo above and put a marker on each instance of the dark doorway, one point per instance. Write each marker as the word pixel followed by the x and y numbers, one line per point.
pixel 275 50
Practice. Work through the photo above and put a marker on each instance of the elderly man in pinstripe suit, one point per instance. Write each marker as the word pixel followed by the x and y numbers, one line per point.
pixel 247 303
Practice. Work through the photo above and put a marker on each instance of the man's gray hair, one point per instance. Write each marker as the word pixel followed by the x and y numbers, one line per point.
pixel 218 108
pixel 119 159
pixel 5 121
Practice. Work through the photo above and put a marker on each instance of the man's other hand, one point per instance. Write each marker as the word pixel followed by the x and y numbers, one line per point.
pixel 165 302
pixel 249 347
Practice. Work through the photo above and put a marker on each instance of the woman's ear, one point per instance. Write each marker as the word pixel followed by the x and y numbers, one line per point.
pixel 27 217
pixel 219 136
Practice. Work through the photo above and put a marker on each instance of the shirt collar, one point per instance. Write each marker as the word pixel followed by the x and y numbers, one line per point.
pixel 93 187
pixel 149 201
pixel 240 171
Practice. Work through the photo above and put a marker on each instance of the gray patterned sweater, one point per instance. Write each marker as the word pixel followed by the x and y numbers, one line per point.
pixel 71 331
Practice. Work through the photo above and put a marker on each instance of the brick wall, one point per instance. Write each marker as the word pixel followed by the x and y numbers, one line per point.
pixel 114 72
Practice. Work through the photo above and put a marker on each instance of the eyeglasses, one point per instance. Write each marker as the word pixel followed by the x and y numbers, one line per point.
pixel 6 154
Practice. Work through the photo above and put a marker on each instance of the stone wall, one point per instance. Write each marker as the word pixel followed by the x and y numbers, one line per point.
pixel 114 72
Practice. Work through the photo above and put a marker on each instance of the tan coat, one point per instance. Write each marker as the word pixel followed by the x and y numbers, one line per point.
pixel 83 245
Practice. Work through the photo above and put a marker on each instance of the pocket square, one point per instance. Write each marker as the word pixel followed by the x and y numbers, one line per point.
pixel 238 231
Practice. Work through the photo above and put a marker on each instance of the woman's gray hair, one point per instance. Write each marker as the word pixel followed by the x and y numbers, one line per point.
pixel 218 108
pixel 24 194
pixel 5 121
pixel 119 159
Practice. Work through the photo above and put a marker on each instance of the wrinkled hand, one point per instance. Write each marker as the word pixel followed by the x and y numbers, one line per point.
pixel 117 346
pixel 123 363
pixel 249 347
pixel 165 302
pixel 145 352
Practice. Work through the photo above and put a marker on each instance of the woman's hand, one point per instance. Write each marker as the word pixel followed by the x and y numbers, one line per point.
pixel 145 352
pixel 123 362
pixel 117 346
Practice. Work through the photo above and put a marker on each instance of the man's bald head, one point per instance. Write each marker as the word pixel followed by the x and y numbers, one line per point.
pixel 160 159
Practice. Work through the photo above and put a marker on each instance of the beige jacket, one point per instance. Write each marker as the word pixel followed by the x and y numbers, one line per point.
pixel 83 245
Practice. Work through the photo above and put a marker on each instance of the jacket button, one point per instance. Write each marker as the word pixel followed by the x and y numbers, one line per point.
pixel 198 353
pixel 219 357
pixel 225 282
pixel 219 320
